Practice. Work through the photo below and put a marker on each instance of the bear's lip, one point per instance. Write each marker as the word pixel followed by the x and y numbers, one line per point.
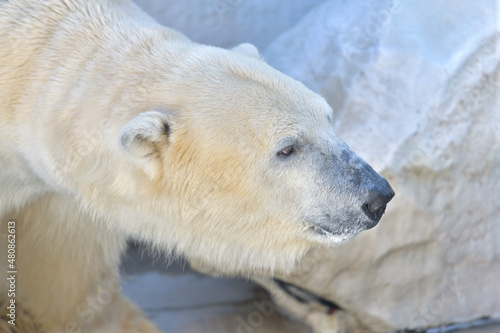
pixel 322 231
pixel 336 237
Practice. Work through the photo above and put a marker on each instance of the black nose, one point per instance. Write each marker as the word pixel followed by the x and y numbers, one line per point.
pixel 377 201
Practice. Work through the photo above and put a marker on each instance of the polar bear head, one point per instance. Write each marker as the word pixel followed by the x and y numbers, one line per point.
pixel 241 167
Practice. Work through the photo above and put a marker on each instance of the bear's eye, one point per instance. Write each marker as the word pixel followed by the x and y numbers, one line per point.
pixel 286 152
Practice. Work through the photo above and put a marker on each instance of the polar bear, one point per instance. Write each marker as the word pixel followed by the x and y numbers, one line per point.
pixel 114 126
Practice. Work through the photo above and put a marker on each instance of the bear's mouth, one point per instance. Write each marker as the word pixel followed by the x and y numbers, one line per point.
pixel 322 231
pixel 336 237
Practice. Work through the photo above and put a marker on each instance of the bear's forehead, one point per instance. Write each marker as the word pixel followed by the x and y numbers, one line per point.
pixel 236 94
pixel 243 79
pixel 273 91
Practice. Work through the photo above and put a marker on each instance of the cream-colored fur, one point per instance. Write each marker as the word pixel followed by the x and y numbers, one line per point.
pixel 113 126
pixel 67 264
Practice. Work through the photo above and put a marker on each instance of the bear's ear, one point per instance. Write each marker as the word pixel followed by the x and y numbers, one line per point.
pixel 144 136
pixel 248 50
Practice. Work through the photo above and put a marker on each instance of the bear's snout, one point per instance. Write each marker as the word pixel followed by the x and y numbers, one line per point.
pixel 374 207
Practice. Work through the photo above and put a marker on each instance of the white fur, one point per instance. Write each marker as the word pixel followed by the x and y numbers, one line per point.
pixel 86 88
pixel 248 50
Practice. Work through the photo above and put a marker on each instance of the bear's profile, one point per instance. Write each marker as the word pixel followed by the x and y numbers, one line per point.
pixel 114 127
